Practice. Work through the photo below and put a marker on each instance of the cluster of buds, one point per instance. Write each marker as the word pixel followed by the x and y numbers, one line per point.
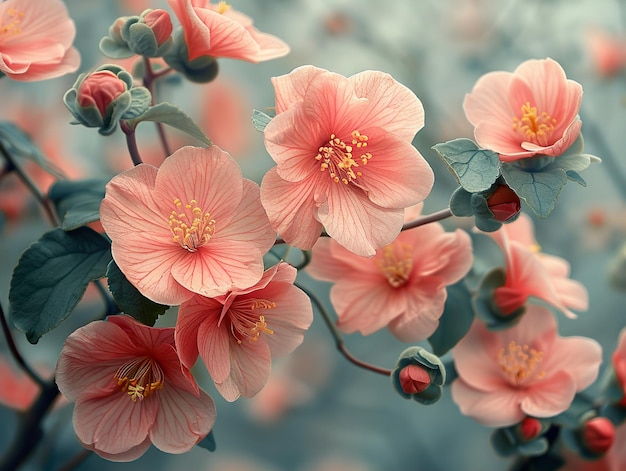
pixel 148 35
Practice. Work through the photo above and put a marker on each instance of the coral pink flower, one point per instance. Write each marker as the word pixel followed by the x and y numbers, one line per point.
pixel 345 159
pixel 17 390
pixel 619 364
pixel 220 31
pixel 533 110
pixel 530 273
pixel 131 390
pixel 194 225
pixel 607 52
pixel 238 333
pixel 403 287
pixel 36 40
pixel 525 370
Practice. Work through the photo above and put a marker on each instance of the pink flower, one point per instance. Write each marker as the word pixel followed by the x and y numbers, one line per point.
pixel 131 390
pixel 36 40
pixel 528 369
pixel 345 159
pixel 237 334
pixel 530 273
pixel 403 287
pixel 220 31
pixel 619 364
pixel 194 225
pixel 608 52
pixel 533 110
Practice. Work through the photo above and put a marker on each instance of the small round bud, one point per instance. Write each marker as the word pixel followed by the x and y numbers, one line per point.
pixel 419 375
pixel 160 23
pixel 100 89
pixel 504 203
pixel 530 428
pixel 414 379
pixel 598 435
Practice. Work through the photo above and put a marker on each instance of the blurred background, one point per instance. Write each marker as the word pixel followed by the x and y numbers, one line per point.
pixel 319 412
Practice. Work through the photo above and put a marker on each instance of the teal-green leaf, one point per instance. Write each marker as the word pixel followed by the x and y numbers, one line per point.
pixel 130 300
pixel 51 277
pixel 476 169
pixel 173 116
pixel 77 202
pixel 260 120
pixel 539 190
pixel 455 321
pixel 208 442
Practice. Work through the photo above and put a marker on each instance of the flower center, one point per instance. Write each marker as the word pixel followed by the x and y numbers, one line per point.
pixel 222 7
pixel 395 265
pixel 535 127
pixel 340 158
pixel 520 363
pixel 246 323
pixel 191 227
pixel 139 377
pixel 11 21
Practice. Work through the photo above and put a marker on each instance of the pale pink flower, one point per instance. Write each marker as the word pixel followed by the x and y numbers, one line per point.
pixel 527 370
pixel 194 225
pixel 221 31
pixel 531 273
pixel 36 40
pixel 345 159
pixel 403 287
pixel 608 52
pixel 237 334
pixel 131 390
pixel 533 110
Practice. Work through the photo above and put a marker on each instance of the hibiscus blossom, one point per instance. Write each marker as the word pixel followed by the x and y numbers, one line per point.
pixel 344 158
pixel 221 31
pixel 237 334
pixel 194 225
pixel 131 390
pixel 530 273
pixel 403 287
pixel 36 40
pixel 525 370
pixel 533 110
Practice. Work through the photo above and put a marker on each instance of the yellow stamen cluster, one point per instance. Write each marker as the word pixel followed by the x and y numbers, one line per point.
pixel 396 267
pixel 339 158
pixel 14 20
pixel 245 323
pixel 521 363
pixel 223 7
pixel 191 227
pixel 533 125
pixel 139 377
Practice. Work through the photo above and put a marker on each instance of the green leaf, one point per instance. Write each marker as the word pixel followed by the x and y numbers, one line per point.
pixel 455 320
pixel 77 202
pixel 260 120
pixel 208 442
pixel 173 116
pixel 540 189
pixel 476 169
pixel 130 300
pixel 51 277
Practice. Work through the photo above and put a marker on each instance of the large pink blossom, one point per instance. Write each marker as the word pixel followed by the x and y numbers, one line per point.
pixel 221 31
pixel 131 390
pixel 36 40
pixel 527 370
pixel 344 158
pixel 403 287
pixel 194 225
pixel 533 110
pixel 533 274
pixel 237 334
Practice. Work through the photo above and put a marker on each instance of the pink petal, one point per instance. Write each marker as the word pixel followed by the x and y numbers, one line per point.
pixel 130 455
pixel 550 396
pixel 489 99
pixel 587 354
pixel 498 408
pixel 421 317
pixel 291 88
pixel 250 369
pixel 214 346
pixel 191 315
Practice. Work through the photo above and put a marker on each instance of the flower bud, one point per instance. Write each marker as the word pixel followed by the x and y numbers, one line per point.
pixel 100 89
pixel 414 379
pixel 419 375
pixel 530 428
pixel 160 23
pixel 504 203
pixel 598 434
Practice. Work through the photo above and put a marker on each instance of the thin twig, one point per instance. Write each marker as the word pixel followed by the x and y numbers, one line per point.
pixel 149 78
pixel 131 143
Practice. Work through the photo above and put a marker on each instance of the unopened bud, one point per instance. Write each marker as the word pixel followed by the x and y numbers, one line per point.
pixel 598 435
pixel 160 23
pixel 414 379
pixel 530 428
pixel 99 90
pixel 504 203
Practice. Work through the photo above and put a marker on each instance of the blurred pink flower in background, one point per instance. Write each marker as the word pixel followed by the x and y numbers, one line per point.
pixel 608 52
pixel 36 40
pixel 17 389
pixel 344 158
pixel 221 31
pixel 619 364
pixel 524 370
pixel 403 287
pixel 530 273
pixel 131 390
pixel 194 225
pixel 533 110
pixel 237 334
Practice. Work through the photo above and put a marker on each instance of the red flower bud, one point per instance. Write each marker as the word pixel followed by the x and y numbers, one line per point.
pixel 414 379
pixel 530 428
pixel 160 23
pixel 598 435
pixel 100 89
pixel 504 203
